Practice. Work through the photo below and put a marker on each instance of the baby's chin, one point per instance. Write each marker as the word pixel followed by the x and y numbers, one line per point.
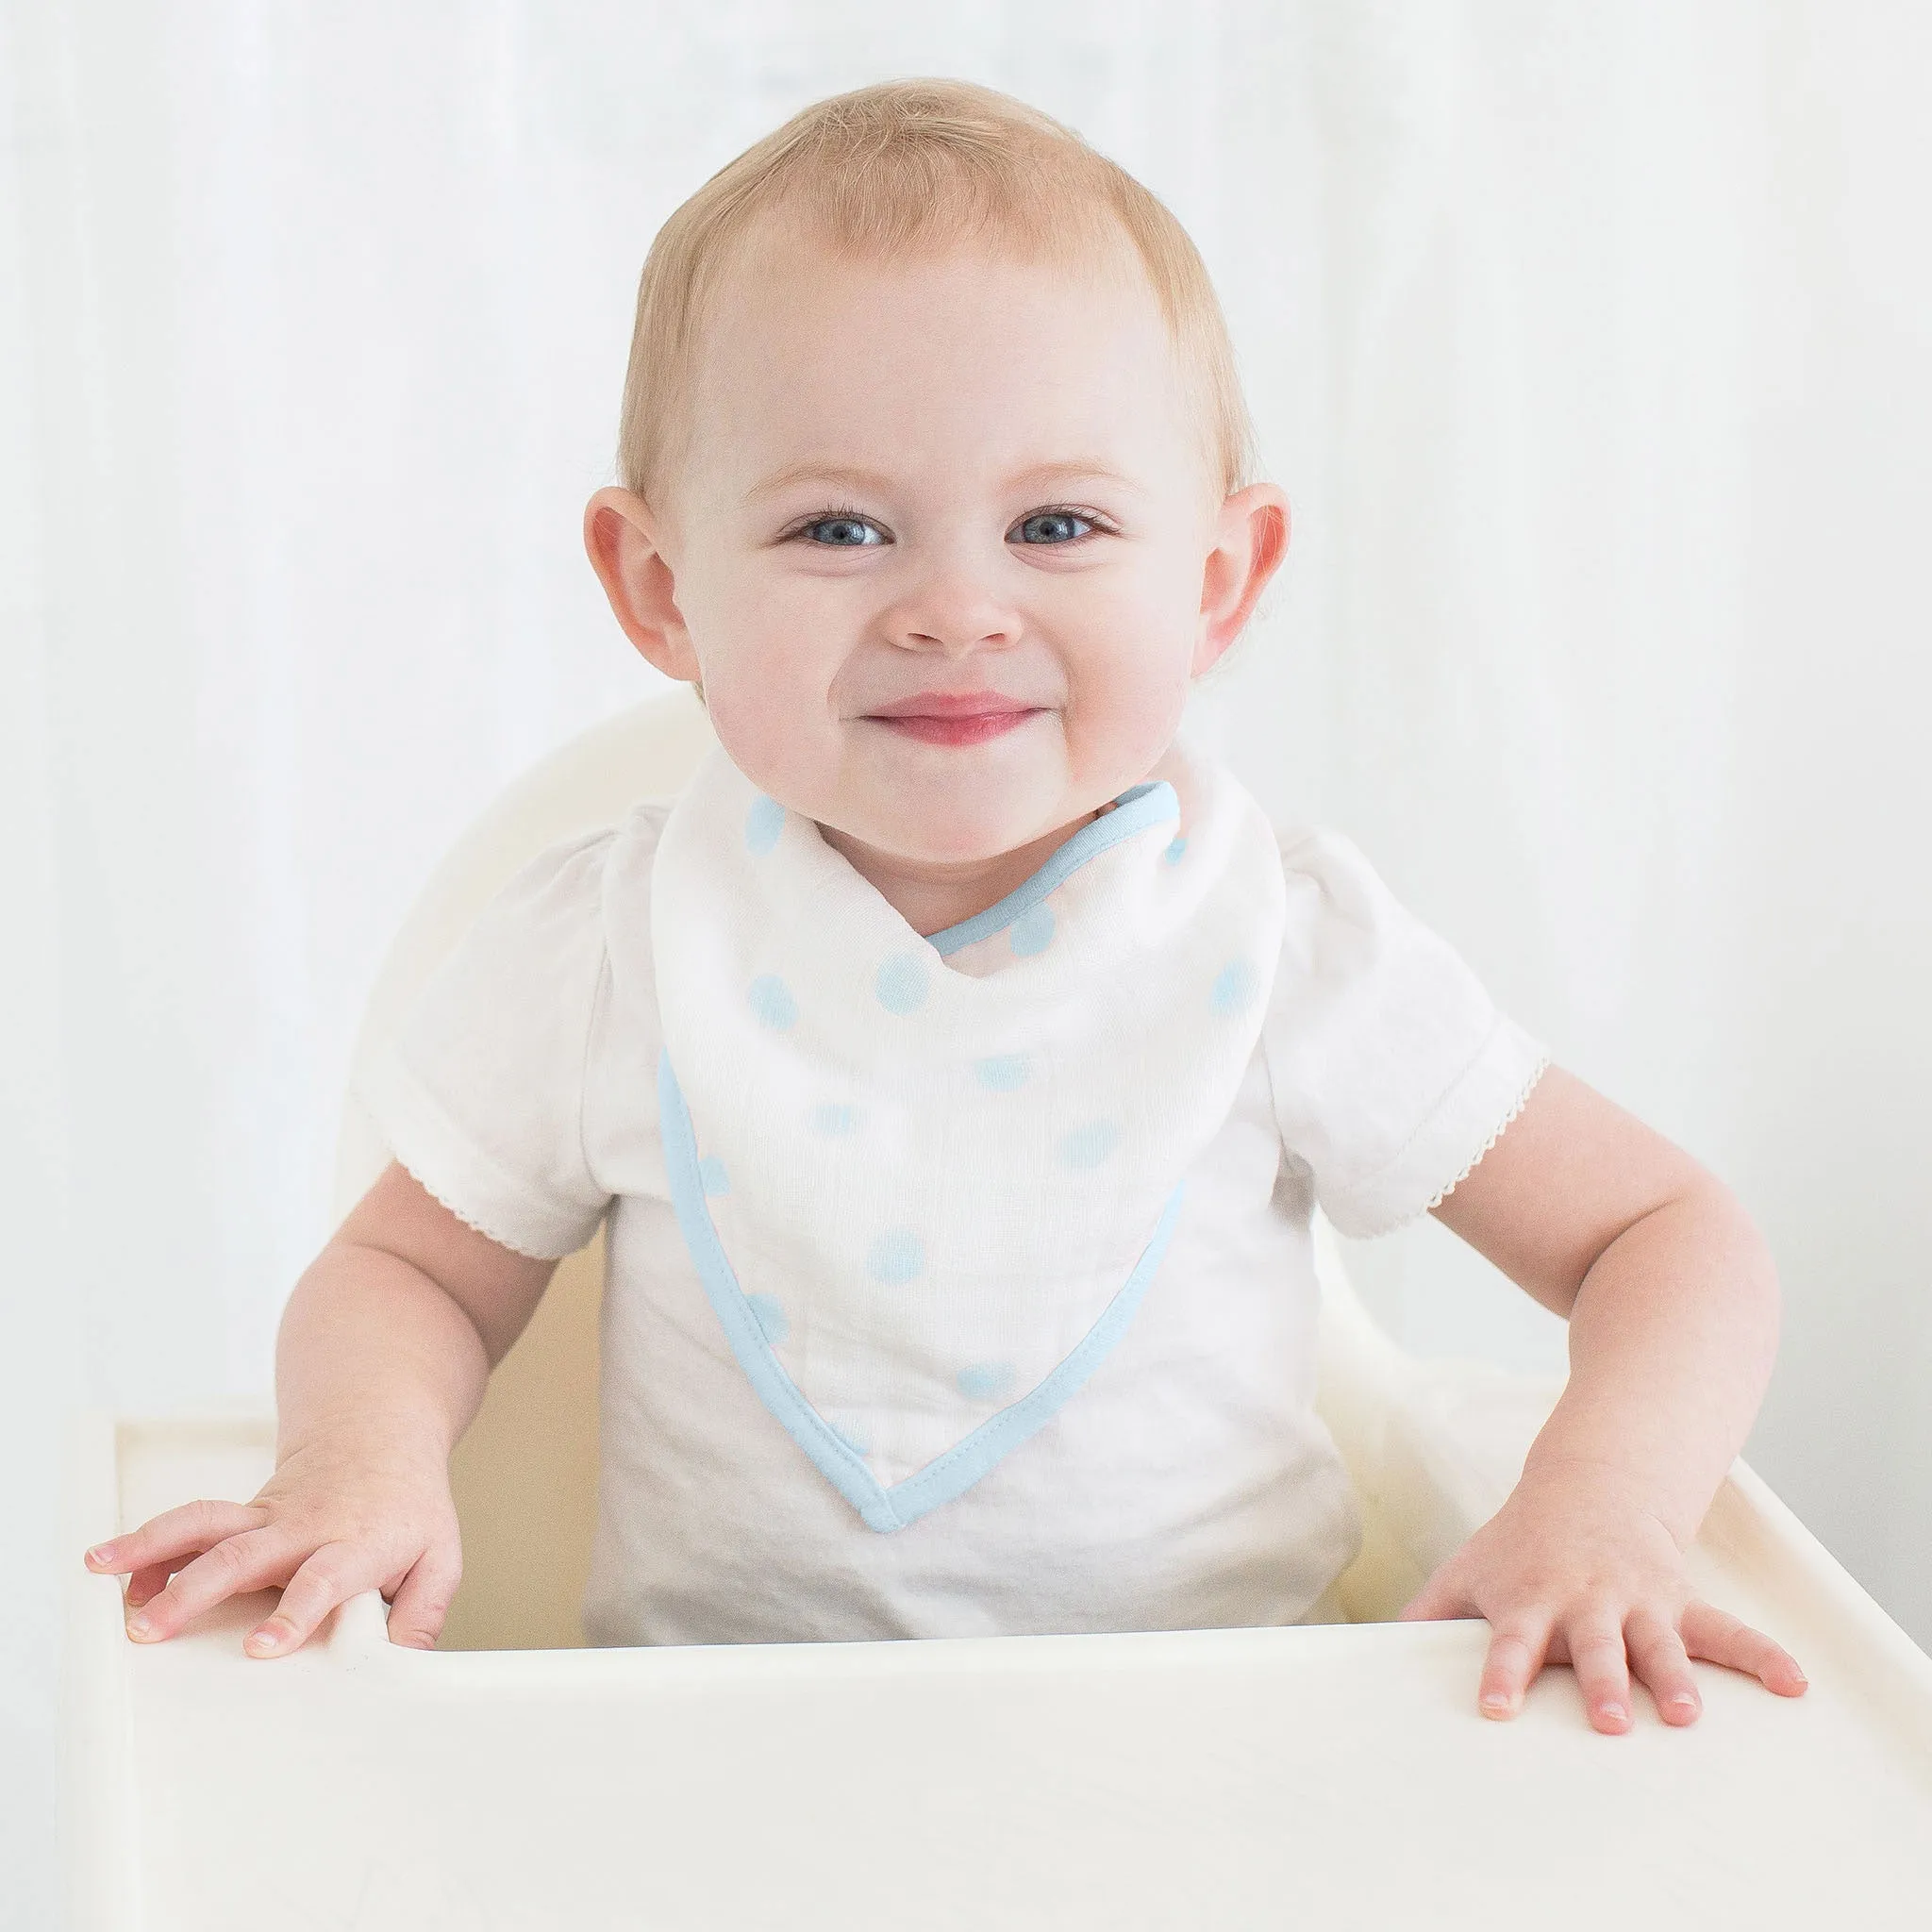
pixel 987 816
pixel 916 838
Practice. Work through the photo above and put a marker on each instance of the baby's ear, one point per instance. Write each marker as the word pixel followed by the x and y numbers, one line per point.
pixel 621 538
pixel 1251 538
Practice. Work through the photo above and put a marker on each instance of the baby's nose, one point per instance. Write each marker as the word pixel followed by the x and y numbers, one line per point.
pixel 956 616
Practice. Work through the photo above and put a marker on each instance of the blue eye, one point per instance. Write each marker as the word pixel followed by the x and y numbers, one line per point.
pixel 843 533
pixel 1051 526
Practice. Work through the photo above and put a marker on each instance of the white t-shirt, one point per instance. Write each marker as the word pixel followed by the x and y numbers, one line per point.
pixel 1190 1483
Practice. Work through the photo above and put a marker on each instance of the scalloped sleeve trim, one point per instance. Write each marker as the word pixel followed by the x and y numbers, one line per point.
pixel 460 1175
pixel 1445 1150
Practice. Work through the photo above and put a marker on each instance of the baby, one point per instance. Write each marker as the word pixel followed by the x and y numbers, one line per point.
pixel 957 1061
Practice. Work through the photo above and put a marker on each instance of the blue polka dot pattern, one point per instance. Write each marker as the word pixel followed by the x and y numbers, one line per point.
pixel 762 825
pixel 1234 986
pixel 834 1121
pixel 984 1381
pixel 771 1318
pixel 897 1257
pixel 901 983
pixel 1032 932
pixel 712 1177
pixel 1002 1071
pixel 1178 845
pixel 1087 1146
pixel 772 1001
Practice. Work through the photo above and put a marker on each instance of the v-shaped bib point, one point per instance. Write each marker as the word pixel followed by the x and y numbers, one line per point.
pixel 962 1466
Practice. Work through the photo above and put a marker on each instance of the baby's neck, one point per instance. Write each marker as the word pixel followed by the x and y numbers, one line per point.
pixel 930 896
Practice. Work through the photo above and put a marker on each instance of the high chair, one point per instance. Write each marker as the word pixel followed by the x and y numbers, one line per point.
pixel 1325 1775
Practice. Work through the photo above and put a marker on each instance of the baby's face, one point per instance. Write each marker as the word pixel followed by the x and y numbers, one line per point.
pixel 944 550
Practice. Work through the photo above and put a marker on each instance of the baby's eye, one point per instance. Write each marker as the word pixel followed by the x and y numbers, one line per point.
pixel 843 532
pixel 1051 527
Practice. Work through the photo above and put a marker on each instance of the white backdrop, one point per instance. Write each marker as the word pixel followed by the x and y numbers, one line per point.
pixel 1590 342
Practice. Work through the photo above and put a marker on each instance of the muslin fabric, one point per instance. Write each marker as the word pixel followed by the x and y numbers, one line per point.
pixel 932 1164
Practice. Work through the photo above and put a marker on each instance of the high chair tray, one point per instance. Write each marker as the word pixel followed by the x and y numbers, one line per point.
pixel 1322 1776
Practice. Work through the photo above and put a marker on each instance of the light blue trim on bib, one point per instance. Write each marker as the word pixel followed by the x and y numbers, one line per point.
pixel 973 1455
pixel 1138 806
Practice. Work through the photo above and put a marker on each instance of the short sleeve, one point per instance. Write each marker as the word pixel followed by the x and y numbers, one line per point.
pixel 1393 1071
pixel 480 1091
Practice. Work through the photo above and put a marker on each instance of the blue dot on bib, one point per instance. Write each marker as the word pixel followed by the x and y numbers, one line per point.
pixel 901 983
pixel 984 1381
pixel 762 825
pixel 1234 986
pixel 1032 932
pixel 1001 1073
pixel 770 1317
pixel 1176 847
pixel 1087 1146
pixel 897 1257
pixel 712 1177
pixel 834 1121
pixel 770 1000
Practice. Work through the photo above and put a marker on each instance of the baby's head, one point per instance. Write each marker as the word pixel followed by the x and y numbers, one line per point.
pixel 929 401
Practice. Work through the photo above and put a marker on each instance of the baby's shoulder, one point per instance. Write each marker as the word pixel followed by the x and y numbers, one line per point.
pixel 1350 949
pixel 582 867
pixel 1333 891
pixel 564 903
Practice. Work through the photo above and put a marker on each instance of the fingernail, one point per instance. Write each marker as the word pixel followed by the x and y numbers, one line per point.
pixel 264 1638
pixel 99 1554
pixel 1684 1702
pixel 1496 1701
pixel 1615 1713
pixel 140 1624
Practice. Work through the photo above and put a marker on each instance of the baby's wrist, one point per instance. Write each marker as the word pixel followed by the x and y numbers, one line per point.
pixel 416 1435
pixel 1563 1468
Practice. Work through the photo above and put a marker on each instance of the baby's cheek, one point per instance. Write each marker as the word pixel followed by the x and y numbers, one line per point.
pixel 1125 711
pixel 777 742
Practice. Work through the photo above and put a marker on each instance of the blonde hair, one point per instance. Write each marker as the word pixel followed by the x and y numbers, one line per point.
pixel 880 172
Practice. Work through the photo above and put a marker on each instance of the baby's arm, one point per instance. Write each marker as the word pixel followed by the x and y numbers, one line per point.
pixel 384 1351
pixel 1673 1310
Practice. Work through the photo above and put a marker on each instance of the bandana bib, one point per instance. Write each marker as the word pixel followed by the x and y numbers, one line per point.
pixel 927 1181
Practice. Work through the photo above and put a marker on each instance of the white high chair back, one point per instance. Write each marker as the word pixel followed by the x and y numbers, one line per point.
pixel 526 1474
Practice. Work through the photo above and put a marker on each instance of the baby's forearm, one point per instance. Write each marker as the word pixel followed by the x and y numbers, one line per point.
pixel 370 1342
pixel 1672 1340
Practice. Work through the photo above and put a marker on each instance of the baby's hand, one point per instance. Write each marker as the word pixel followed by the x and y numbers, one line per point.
pixel 341 1514
pixel 1572 1569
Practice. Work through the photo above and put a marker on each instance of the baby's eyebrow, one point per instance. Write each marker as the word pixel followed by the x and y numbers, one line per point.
pixel 1082 469
pixel 839 474
pixel 848 477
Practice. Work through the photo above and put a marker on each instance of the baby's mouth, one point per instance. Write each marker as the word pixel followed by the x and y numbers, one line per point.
pixel 953 717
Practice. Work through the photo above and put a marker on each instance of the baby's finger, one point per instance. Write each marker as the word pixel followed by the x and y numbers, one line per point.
pixel 1658 1656
pixel 1517 1649
pixel 1720 1638
pixel 416 1614
pixel 241 1563
pixel 332 1576
pixel 147 1583
pixel 191 1528
pixel 1596 1655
